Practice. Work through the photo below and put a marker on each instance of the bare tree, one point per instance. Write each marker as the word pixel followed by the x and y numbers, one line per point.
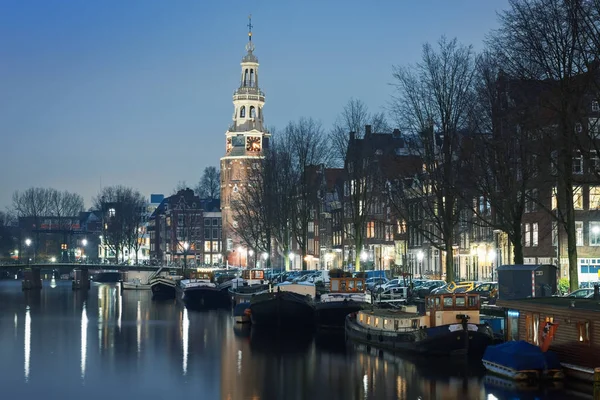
pixel 309 148
pixel 353 118
pixel 209 185
pixel 181 185
pixel 504 161
pixel 434 103
pixel 541 41
pixel 120 206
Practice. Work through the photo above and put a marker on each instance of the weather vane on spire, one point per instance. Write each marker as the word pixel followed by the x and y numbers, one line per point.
pixel 250 45
pixel 250 27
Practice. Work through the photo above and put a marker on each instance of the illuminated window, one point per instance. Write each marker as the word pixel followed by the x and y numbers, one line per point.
pixel 368 320
pixel 376 321
pixel 578 198
pixel 579 233
pixel 594 197
pixel 371 229
pixel 535 235
pixel 583 331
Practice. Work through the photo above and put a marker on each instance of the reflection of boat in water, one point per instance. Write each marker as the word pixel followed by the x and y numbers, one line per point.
pixel 242 330
pixel 271 342
pixel 455 367
pixel 346 296
pixel 503 388
pixel 241 312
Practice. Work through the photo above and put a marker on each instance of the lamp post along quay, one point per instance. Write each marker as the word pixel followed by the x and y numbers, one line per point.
pixel 186 246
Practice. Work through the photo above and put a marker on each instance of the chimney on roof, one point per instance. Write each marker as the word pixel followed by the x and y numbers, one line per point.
pixel 368 130
pixel 396 133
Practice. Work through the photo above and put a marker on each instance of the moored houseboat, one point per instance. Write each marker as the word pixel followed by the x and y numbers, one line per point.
pixel 200 291
pixel 250 283
pixel 346 295
pixel 450 326
pixel 164 287
pixel 573 325
pixel 286 305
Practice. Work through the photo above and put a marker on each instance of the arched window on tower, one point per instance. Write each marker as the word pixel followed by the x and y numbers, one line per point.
pixel 252 112
pixel 252 77
pixel 246 77
pixel 243 112
pixel 259 112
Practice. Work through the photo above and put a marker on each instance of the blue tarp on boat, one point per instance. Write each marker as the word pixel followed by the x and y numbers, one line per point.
pixel 517 355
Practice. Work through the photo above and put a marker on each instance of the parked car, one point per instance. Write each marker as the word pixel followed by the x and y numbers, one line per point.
pixel 427 287
pixel 487 291
pixel 371 283
pixel 581 293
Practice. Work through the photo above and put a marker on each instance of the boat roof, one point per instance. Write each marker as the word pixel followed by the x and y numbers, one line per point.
pixel 562 302
pixel 380 312
pixel 286 283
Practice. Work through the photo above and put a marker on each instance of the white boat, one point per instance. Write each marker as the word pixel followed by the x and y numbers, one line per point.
pixel 135 284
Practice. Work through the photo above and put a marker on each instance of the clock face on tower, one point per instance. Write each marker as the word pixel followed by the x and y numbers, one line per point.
pixel 253 143
pixel 228 144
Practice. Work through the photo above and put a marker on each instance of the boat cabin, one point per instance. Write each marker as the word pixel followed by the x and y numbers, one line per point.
pixel 443 309
pixel 252 276
pixel 201 274
pixel 347 285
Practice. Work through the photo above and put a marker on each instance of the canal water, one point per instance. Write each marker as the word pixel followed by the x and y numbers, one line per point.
pixel 60 344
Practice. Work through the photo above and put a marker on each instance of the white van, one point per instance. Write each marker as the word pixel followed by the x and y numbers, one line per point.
pixel 321 276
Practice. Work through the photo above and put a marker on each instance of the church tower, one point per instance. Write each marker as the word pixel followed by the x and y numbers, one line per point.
pixel 245 141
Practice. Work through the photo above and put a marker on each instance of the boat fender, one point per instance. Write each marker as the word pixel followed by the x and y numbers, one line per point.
pixel 381 338
pixel 368 336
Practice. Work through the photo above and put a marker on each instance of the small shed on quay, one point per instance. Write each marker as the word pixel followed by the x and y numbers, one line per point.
pixel 524 281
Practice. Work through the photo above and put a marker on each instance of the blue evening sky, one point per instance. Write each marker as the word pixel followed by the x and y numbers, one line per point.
pixel 138 92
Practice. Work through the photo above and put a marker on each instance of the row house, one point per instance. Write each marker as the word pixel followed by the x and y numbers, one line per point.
pixel 186 228
pixel 380 160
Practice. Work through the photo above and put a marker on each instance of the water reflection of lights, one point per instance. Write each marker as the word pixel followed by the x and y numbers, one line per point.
pixel 16 320
pixel 185 326
pixel 139 326
pixel 84 325
pixel 366 385
pixel 239 362
pixel 53 283
pixel 120 310
pixel 27 342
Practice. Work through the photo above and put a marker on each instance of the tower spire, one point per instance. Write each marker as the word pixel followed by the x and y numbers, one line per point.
pixel 250 45
pixel 249 27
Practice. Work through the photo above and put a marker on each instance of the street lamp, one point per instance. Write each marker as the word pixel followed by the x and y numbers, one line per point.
pixel 420 256
pixel 292 255
pixel 84 243
pixel 251 253
pixel 186 246
pixel 240 249
pixel 28 243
